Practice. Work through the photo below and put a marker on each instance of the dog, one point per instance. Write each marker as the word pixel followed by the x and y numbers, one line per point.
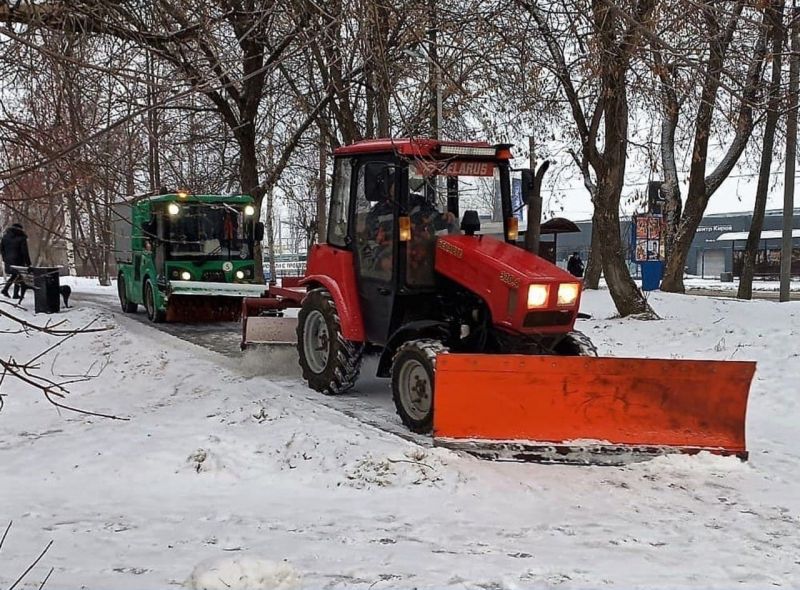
pixel 65 291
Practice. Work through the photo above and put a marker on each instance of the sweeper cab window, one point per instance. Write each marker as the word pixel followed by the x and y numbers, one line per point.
pixel 210 231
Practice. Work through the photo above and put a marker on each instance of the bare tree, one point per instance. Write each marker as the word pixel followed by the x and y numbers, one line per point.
pixel 600 111
pixel 729 71
pixel 777 33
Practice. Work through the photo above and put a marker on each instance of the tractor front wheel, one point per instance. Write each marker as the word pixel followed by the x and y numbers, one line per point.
pixel 413 370
pixel 330 363
pixel 154 314
pixel 576 344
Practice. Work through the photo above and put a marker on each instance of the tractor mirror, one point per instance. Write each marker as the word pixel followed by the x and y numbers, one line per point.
pixel 378 181
pixel 258 232
pixel 150 228
pixel 470 223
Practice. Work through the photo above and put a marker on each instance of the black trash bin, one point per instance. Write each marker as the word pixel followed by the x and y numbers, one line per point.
pixel 46 286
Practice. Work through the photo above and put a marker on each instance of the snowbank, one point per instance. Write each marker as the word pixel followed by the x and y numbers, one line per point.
pixel 223 475
pixel 717 285
pixel 244 573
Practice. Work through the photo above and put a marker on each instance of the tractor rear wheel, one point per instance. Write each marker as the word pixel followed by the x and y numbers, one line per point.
pixel 126 304
pixel 576 344
pixel 330 363
pixel 413 370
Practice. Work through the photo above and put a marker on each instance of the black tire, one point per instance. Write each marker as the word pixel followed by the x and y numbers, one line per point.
pixel 126 305
pixel 413 370
pixel 154 315
pixel 331 364
pixel 576 344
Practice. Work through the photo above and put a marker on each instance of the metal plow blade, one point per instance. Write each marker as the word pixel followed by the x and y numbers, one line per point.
pixel 589 410
pixel 269 330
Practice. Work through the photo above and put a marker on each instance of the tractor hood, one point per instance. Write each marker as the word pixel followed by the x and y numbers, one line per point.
pixel 502 275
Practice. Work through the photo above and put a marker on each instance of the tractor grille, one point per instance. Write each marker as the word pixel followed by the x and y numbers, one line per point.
pixel 215 276
pixel 537 319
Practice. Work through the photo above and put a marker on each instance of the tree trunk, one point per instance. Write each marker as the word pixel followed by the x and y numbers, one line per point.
pixel 270 233
pixel 670 189
pixel 322 217
pixel 682 242
pixel 594 266
pixel 248 177
pixel 702 187
pixel 628 299
pixel 69 234
pixel 775 12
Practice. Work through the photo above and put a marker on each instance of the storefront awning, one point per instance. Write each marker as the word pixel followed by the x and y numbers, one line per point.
pixel 771 234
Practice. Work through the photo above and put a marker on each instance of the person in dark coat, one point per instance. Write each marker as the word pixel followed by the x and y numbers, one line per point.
pixel 14 250
pixel 575 265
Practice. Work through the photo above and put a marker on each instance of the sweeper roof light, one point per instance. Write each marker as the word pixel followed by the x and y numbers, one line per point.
pixel 462 150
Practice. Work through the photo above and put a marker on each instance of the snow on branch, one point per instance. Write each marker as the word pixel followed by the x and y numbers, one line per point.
pixel 29 371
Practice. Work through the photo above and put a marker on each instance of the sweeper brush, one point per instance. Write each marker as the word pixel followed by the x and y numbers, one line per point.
pixel 478 335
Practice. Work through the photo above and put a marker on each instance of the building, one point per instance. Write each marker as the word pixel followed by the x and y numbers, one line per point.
pixel 717 245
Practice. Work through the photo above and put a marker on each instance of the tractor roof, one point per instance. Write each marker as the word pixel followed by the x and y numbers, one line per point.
pixel 422 148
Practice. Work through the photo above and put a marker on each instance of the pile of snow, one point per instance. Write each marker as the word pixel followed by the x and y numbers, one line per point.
pixel 222 475
pixel 244 573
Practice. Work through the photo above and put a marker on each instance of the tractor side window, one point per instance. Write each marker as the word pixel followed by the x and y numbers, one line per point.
pixel 374 232
pixel 340 203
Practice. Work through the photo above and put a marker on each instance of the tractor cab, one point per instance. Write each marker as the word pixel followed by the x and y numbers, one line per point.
pixel 392 201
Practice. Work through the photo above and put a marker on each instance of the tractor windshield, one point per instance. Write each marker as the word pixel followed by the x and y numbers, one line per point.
pixel 202 230
pixel 435 200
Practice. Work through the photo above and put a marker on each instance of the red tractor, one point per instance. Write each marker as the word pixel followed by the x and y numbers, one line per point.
pixel 406 273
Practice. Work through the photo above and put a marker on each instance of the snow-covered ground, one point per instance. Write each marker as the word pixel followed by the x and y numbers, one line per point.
pixel 226 477
pixel 693 282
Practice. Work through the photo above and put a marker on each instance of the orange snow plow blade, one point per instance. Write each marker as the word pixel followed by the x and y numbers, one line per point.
pixel 589 410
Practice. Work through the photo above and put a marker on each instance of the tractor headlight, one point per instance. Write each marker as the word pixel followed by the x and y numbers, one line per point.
pixel 537 295
pixel 173 208
pixel 240 274
pixel 568 293
pixel 186 276
pixel 249 210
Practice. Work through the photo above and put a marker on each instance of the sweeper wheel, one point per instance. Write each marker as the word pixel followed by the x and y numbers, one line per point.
pixel 154 314
pixel 126 304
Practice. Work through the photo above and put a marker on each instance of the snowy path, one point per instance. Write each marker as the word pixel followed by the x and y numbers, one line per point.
pixel 221 464
pixel 369 401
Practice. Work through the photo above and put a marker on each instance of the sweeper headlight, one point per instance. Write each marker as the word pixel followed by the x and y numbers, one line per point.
pixel 537 295
pixel 173 208
pixel 249 210
pixel 186 276
pixel 568 293
pixel 240 274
